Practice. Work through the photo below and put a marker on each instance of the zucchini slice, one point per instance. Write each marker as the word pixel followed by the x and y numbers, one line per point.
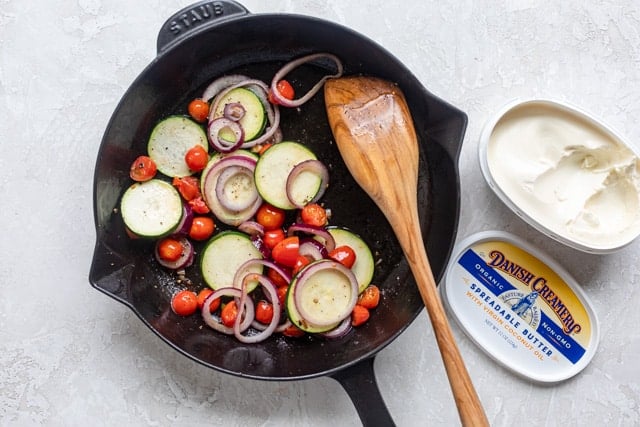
pixel 169 142
pixel 363 267
pixel 255 117
pixel 151 209
pixel 224 254
pixel 273 169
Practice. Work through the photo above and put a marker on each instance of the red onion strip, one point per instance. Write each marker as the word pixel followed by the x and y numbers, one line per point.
pixel 329 241
pixel 214 323
pixel 252 228
pixel 275 320
pixel 243 270
pixel 220 144
pixel 296 63
pixel 316 167
pixel 220 84
pixel 339 331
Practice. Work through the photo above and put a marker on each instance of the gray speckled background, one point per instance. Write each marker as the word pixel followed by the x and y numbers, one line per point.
pixel 71 356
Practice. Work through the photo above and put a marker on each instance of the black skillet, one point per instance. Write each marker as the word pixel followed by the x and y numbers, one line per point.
pixel 213 38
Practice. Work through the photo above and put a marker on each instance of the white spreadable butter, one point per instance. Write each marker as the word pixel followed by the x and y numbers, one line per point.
pixel 565 173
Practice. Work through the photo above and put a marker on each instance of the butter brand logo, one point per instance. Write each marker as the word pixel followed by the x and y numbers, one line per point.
pixel 540 290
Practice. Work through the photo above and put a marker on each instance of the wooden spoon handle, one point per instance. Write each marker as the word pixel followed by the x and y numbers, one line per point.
pixel 469 406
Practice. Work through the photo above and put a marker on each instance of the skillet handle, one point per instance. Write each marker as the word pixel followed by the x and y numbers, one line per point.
pixel 359 382
pixel 198 15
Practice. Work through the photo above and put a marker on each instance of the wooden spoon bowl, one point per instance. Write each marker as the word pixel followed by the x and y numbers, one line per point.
pixel 374 131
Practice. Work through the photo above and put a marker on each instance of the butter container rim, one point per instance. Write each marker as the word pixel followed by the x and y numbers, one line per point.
pixel 485 135
pixel 534 345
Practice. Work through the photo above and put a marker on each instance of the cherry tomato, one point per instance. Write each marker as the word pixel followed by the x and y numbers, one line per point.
pixel 202 227
pixel 344 255
pixel 264 312
pixel 286 251
pixel 359 315
pixel 285 89
pixel 282 294
pixel 293 332
pixel 264 147
pixel 170 249
pixel 370 297
pixel 272 237
pixel 199 110
pixel 203 295
pixel 184 303
pixel 314 214
pixel 270 217
pixel 143 169
pixel 196 158
pixel 198 205
pixel 229 313
pixel 301 262
pixel 277 279
pixel 188 187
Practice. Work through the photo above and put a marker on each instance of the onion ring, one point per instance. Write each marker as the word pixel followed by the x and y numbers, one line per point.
pixel 215 324
pixel 270 289
pixel 213 133
pixel 226 196
pixel 295 64
pixel 315 167
pixel 321 232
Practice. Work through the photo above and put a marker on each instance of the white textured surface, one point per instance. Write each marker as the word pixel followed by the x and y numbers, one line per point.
pixel 71 356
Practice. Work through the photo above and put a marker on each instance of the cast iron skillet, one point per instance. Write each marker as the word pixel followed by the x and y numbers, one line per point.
pixel 209 39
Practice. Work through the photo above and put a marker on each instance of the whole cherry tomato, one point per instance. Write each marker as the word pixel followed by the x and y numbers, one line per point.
pixel 264 312
pixel 143 169
pixel 314 214
pixel 202 227
pixel 184 303
pixel 344 255
pixel 270 217
pixel 198 109
pixel 229 314
pixel 170 249
pixel 272 237
pixel 196 158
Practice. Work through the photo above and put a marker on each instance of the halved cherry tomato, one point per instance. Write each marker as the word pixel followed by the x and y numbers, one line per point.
pixel 202 227
pixel 229 313
pixel 314 214
pixel 198 109
pixel 293 332
pixel 143 169
pixel 188 186
pixel 170 249
pixel 282 294
pixel 272 237
pixel 286 251
pixel 277 279
pixel 285 89
pixel 270 217
pixel 344 255
pixel 370 297
pixel 184 303
pixel 301 262
pixel 359 315
pixel 196 158
pixel 203 295
pixel 264 312
pixel 198 205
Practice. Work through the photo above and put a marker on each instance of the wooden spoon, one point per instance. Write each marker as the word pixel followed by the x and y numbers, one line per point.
pixel 372 126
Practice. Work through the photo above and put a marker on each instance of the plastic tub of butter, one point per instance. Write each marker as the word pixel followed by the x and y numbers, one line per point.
pixel 565 173
pixel 520 306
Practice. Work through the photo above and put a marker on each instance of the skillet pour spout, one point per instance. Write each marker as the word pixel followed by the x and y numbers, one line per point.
pixel 195 47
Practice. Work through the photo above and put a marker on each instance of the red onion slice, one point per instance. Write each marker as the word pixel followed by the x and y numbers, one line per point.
pixel 244 270
pixel 320 232
pixel 220 144
pixel 282 73
pixel 312 249
pixel 186 258
pixel 252 228
pixel 234 111
pixel 270 290
pixel 185 223
pixel 315 167
pixel 214 322
pixel 323 299
pixel 220 84
pixel 339 331
pixel 234 192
